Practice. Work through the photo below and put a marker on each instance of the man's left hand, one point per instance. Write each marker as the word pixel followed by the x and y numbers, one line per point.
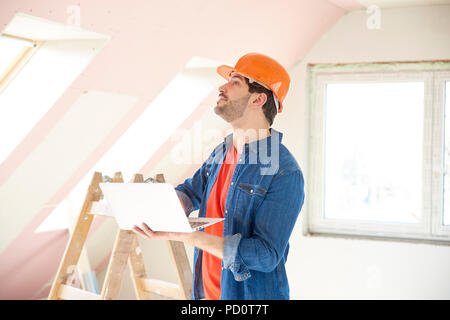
pixel 146 232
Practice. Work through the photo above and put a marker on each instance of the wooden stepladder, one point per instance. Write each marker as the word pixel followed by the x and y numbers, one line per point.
pixel 126 250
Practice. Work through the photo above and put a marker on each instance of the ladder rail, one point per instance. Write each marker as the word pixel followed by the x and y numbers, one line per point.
pixel 77 239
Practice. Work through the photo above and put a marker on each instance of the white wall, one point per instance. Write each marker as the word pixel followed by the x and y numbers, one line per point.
pixel 342 268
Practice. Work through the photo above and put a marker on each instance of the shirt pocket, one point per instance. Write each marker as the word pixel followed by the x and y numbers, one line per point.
pixel 249 197
pixel 252 190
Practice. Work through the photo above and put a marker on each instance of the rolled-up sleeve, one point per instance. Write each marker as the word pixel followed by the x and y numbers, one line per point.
pixel 231 259
pixel 274 221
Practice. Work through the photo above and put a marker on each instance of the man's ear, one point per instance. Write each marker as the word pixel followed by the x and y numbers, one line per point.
pixel 257 100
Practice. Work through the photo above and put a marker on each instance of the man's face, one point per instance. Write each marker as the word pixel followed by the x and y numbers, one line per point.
pixel 233 100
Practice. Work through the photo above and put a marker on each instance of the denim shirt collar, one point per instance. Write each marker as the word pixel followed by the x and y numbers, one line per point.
pixel 253 146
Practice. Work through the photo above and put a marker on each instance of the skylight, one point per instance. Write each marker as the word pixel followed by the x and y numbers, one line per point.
pixel 45 77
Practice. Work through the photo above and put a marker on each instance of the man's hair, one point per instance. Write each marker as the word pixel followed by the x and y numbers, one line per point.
pixel 269 108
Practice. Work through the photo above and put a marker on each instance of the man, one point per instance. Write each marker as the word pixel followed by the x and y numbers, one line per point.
pixel 252 181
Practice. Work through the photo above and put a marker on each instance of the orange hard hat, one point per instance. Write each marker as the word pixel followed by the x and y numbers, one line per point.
pixel 264 70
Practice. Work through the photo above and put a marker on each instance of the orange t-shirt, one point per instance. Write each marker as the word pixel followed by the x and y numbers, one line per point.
pixel 212 265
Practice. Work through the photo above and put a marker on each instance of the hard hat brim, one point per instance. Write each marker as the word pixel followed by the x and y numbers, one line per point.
pixel 225 71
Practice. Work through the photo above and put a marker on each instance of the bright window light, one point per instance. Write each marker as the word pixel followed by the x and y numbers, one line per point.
pixel 373 151
pixel 447 155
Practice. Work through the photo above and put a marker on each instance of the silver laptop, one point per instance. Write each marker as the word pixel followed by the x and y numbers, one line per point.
pixel 155 204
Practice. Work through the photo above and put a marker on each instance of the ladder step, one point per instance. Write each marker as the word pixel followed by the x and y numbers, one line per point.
pixel 71 293
pixel 162 288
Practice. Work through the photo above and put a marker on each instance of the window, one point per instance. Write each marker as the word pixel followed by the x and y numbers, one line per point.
pixel 36 71
pixel 379 150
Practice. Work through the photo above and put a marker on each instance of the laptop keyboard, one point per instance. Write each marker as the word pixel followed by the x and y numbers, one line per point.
pixel 197 224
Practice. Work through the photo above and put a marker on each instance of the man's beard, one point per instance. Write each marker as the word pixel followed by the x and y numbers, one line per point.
pixel 232 110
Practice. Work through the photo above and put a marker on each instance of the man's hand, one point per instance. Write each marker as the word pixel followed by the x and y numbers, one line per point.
pixel 212 244
pixel 146 232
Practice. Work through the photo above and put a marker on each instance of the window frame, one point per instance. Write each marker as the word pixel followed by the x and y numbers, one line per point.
pixel 438 227
pixel 20 61
pixel 433 74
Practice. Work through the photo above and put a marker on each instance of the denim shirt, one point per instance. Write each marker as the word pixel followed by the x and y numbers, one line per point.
pixel 264 199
